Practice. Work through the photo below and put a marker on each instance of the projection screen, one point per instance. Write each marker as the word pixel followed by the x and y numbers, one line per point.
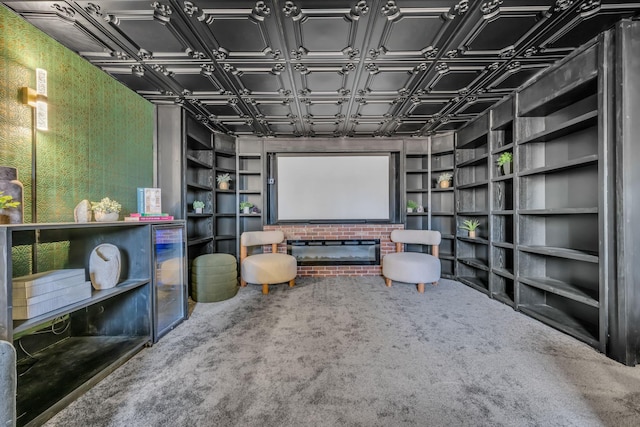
pixel 332 187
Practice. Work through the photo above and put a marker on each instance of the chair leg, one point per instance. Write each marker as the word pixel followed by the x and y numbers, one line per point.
pixel 265 288
pixel 421 288
pixel 387 282
pixel 243 283
pixel 292 283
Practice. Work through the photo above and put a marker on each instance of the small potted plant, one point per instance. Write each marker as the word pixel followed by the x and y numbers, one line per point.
pixel 444 180
pixel 245 207
pixel 411 205
pixel 471 225
pixel 504 161
pixel 106 210
pixel 223 181
pixel 198 206
pixel 6 202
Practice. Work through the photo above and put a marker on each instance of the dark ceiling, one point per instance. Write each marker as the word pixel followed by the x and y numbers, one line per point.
pixel 325 67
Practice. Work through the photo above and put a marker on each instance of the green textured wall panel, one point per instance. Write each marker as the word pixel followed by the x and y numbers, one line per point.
pixel 100 138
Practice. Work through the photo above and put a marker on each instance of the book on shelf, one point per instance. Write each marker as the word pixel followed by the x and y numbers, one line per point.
pixel 134 218
pixel 149 200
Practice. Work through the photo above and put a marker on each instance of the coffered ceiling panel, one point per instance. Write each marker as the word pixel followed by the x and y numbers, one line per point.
pixel 325 67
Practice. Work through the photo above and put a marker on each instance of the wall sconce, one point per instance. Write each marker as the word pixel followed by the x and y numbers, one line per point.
pixel 38 99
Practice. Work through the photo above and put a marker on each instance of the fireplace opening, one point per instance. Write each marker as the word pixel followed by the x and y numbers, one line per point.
pixel 335 252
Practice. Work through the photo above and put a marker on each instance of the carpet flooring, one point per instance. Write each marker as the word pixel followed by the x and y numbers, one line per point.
pixel 350 352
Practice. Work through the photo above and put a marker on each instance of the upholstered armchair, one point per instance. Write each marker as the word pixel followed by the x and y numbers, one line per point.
pixel 266 268
pixel 413 267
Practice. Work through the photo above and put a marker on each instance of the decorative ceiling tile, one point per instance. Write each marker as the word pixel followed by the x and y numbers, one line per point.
pixel 305 68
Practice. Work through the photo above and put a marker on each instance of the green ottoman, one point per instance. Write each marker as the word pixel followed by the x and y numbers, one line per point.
pixel 214 277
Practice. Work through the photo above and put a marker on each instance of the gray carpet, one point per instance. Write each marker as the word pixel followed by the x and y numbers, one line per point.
pixel 351 352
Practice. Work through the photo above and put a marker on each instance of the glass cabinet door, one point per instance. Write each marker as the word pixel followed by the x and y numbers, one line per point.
pixel 170 284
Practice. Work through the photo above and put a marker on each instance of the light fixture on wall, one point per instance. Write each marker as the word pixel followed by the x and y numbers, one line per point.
pixel 38 99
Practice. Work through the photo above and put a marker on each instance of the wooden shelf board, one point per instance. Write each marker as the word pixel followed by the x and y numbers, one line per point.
pixel 475 161
pixel 199 240
pixel 473 185
pixel 230 191
pixel 225 170
pixel 503 178
pixel 503 273
pixel 476 240
pixel 438 213
pixel 417 213
pixel 578 89
pixel 225 153
pixel 198 162
pixel 473 213
pixel 563 289
pixel 560 253
pixel 96 296
pixel 248 172
pixel 443 153
pixel 200 215
pixel 475 283
pixel 571 164
pixel 422 171
pixel 562 321
pixel 503 148
pixel 558 211
pixel 225 215
pixel 503 245
pixel 449 257
pixel 448 236
pixel 475 263
pixel 249 192
pixel 199 186
pixel 194 143
pixel 503 126
pixel 252 215
pixel 418 190
pixel 581 122
pixel 503 213
pixel 249 155
pixel 441 190
pixel 442 169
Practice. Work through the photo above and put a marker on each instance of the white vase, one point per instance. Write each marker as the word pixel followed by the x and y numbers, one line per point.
pixel 101 216
pixel 198 210
pixel 246 210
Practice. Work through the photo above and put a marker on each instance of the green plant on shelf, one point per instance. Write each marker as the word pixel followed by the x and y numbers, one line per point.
pixel 225 177
pixel 470 224
pixel 245 206
pixel 106 205
pixel 197 204
pixel 445 176
pixel 411 205
pixel 504 158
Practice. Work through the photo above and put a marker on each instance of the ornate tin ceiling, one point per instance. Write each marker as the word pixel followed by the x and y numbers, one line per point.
pixel 325 67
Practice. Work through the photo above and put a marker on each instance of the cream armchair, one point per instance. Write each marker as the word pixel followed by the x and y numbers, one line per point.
pixel 413 267
pixel 266 268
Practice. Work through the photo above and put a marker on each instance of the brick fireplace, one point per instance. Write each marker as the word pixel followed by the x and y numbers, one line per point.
pixel 338 232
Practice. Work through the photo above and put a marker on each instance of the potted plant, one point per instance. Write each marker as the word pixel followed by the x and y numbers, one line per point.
pixel 471 225
pixel 6 202
pixel 106 210
pixel 245 207
pixel 504 161
pixel 444 180
pixel 411 205
pixel 198 206
pixel 223 181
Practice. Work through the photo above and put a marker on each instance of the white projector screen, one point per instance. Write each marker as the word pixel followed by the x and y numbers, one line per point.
pixel 332 187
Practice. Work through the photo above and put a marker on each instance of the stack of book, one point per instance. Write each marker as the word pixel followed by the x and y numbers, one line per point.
pixel 149 217
pixel 41 293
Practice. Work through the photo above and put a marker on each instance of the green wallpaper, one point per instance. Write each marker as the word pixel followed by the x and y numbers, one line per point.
pixel 100 138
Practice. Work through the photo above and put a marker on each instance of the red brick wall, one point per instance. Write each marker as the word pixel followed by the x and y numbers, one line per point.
pixel 335 232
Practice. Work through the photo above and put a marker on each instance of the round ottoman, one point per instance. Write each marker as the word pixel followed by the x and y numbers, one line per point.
pixel 214 277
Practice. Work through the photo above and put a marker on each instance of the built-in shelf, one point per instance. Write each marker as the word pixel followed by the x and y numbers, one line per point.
pixel 503 272
pixel 475 263
pixel 561 253
pixel 471 185
pixel 199 186
pixel 197 162
pixel 502 178
pixel 503 148
pixel 581 122
pixel 564 289
pixel 473 162
pixel 475 240
pixel 574 163
pixel 559 211
pixel 563 322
